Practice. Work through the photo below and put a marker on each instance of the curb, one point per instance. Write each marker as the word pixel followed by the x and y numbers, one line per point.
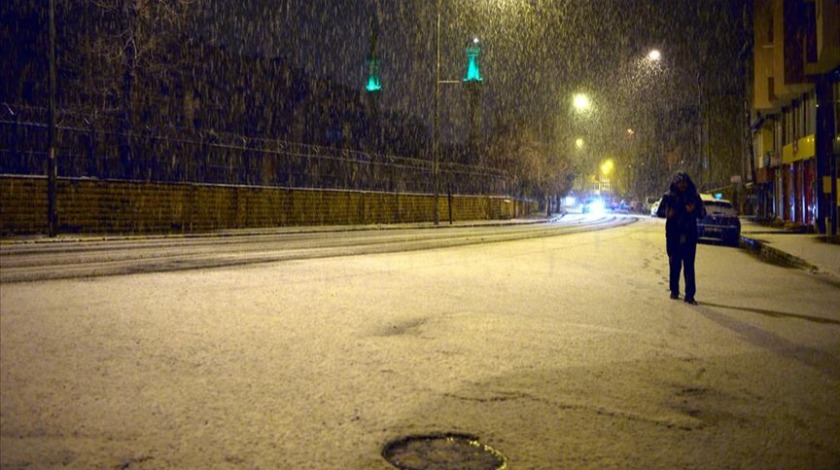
pixel 246 232
pixel 776 256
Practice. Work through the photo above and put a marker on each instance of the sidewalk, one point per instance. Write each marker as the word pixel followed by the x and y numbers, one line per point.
pixel 805 250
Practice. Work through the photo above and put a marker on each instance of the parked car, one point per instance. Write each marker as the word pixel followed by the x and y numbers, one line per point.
pixel 621 207
pixel 649 202
pixel 654 208
pixel 721 221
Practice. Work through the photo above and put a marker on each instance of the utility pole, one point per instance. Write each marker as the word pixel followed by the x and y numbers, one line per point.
pixel 436 120
pixel 52 167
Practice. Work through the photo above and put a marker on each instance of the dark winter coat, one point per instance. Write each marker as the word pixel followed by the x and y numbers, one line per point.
pixel 681 224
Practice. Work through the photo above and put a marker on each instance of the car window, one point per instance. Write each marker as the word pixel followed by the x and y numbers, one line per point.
pixel 719 204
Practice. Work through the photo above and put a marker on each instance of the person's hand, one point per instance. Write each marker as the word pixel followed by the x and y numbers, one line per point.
pixel 689 207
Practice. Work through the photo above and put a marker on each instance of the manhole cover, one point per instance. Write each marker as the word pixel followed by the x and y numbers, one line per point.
pixel 443 452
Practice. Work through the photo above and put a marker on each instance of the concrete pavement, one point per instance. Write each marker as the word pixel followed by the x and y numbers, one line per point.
pixel 320 364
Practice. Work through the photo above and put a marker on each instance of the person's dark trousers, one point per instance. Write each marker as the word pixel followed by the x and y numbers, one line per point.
pixel 681 257
pixel 689 253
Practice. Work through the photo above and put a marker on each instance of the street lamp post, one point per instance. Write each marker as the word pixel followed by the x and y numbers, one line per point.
pixel 647 77
pixel 473 76
pixel 52 167
pixel 580 111
pixel 436 121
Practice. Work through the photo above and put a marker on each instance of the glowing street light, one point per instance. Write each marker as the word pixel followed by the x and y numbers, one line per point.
pixel 579 143
pixel 654 55
pixel 607 167
pixel 581 102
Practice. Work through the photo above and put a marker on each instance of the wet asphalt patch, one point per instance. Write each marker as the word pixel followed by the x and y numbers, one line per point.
pixel 448 451
pixel 407 327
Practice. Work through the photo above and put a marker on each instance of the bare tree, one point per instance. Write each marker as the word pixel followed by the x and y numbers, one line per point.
pixel 535 170
pixel 110 44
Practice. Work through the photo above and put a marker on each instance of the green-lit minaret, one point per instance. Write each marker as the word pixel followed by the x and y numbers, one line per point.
pixel 473 69
pixel 373 88
pixel 373 83
pixel 473 84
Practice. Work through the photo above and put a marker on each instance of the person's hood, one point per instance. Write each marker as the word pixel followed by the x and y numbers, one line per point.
pixel 682 176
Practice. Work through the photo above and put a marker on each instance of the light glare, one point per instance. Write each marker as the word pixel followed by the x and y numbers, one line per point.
pixel 581 102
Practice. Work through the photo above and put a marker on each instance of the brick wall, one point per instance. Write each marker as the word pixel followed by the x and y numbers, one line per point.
pixel 94 206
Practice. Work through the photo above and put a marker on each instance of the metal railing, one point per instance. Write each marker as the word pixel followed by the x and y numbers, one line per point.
pixel 87 150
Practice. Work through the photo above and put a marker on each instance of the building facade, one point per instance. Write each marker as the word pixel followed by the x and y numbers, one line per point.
pixel 795 112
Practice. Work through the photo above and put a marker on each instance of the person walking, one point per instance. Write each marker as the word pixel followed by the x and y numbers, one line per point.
pixel 681 206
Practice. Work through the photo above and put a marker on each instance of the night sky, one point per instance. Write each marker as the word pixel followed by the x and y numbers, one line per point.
pixel 535 52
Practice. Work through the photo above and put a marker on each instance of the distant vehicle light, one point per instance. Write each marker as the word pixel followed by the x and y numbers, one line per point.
pixel 594 206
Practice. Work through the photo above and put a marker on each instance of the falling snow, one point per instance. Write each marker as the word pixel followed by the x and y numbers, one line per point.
pixel 143 85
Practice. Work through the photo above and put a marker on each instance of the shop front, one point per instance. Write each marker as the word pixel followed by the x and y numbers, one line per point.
pixel 799 183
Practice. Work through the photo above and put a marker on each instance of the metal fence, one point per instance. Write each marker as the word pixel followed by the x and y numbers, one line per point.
pixel 85 149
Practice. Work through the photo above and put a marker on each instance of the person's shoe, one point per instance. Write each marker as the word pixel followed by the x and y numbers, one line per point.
pixel 690 300
pixel 675 295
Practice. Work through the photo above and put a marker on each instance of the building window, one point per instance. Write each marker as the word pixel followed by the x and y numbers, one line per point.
pixel 787 130
pixel 810 32
pixel 770 31
pixel 779 134
pixel 835 92
pixel 811 114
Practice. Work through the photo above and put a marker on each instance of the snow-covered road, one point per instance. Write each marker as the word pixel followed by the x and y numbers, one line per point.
pixel 72 257
pixel 560 352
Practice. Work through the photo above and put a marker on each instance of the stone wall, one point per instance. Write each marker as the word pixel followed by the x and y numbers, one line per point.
pixel 97 206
